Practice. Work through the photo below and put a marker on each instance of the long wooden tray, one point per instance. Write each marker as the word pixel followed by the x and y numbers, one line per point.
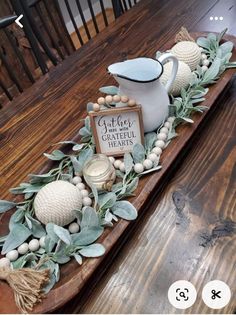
pixel 74 278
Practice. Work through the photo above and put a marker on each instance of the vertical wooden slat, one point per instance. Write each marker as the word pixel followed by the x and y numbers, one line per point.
pixel 30 36
pixel 5 90
pixel 73 22
pixel 58 10
pixel 117 8
pixel 130 4
pixel 19 56
pixel 49 33
pixel 103 12
pixel 124 5
pixel 83 19
pixel 93 16
pixel 37 33
pixel 10 71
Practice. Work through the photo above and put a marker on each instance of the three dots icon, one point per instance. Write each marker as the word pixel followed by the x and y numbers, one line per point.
pixel 216 18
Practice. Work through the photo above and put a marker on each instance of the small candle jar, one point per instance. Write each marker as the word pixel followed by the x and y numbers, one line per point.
pixel 99 171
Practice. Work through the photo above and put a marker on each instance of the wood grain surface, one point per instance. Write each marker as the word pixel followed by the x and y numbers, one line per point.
pixel 51 112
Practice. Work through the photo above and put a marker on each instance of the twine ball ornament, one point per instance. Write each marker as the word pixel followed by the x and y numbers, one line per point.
pixel 182 79
pixel 188 52
pixel 56 201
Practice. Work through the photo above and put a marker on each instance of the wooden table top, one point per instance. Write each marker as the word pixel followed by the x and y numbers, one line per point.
pixel 189 232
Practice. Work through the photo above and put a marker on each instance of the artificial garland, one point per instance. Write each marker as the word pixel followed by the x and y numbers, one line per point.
pixel 53 245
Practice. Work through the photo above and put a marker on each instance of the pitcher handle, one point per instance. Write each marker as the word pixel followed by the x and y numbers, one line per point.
pixel 163 59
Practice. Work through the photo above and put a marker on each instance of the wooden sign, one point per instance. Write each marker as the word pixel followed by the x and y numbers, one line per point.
pixel 117 130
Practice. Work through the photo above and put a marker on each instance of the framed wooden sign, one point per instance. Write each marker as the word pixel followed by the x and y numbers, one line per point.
pixel 117 130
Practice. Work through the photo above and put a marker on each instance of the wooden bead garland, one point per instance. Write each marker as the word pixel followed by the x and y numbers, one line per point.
pixel 109 99
pixel 152 157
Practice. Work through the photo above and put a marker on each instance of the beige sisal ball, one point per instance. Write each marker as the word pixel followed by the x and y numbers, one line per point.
pixel 188 52
pixel 182 79
pixel 55 201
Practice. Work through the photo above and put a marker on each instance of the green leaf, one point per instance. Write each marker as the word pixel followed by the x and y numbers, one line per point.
pixel 49 244
pixel 89 218
pixel 78 258
pixel 212 72
pixel 149 141
pixel 77 166
pixel 6 205
pixel 112 90
pixel 85 155
pixel 33 188
pixel 94 250
pixel 23 260
pixel 226 48
pixel 203 42
pixel 138 153
pixel 51 233
pixel 56 155
pixel 37 228
pixel 16 218
pixel 87 236
pixel 125 210
pixel 132 186
pixel 89 107
pixel 16 237
pixel 128 161
pixel 106 200
pixel 95 194
pixel 63 234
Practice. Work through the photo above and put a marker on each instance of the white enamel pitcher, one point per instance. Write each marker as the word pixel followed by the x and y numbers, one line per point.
pixel 139 79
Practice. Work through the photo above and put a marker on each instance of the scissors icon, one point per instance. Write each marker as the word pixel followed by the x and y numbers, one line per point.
pixel 215 294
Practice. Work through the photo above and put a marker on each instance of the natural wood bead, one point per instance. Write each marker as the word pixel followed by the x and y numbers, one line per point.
pixel 96 107
pixel 157 150
pixel 108 99
pixel 131 102
pixel 124 99
pixel 160 144
pixel 164 130
pixel 162 136
pixel 171 119
pixel 167 124
pixel 116 98
pixel 101 100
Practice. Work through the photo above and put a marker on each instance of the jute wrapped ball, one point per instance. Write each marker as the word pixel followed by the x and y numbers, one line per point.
pixel 188 52
pixel 56 201
pixel 182 79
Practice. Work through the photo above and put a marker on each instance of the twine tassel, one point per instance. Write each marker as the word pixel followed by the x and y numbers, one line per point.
pixel 27 285
pixel 183 35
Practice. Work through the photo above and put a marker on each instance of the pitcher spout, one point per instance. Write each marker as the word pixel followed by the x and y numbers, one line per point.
pixel 140 70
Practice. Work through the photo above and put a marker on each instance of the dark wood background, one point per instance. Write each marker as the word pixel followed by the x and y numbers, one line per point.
pixel 189 231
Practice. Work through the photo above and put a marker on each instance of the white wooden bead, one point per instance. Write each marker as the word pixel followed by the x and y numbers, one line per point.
pixel 101 100
pixel 112 159
pixel 23 248
pixel 160 144
pixel 109 99
pixel 76 180
pixel 167 124
pixel 81 186
pixel 34 245
pixel 164 130
pixel 124 99
pixel 157 151
pixel 96 107
pixel 84 193
pixel 131 102
pixel 204 68
pixel 42 241
pixel 87 201
pixel 171 119
pixel 73 228
pixel 138 168
pixel 12 255
pixel 117 163
pixel 204 56
pixel 147 164
pixel 206 62
pixel 122 167
pixel 5 262
pixel 116 98
pixel 201 49
pixel 152 156
pixel 162 136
